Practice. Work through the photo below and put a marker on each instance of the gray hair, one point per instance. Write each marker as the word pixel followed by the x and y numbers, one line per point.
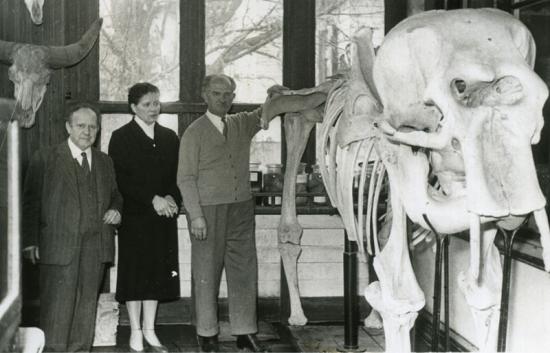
pixel 209 78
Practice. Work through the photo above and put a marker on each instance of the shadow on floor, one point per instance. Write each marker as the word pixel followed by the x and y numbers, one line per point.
pixel 330 338
pixel 182 338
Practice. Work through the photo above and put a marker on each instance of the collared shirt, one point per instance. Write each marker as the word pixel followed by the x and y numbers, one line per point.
pixel 148 129
pixel 216 120
pixel 76 152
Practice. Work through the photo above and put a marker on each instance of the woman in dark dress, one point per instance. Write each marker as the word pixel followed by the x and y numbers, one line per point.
pixel 145 156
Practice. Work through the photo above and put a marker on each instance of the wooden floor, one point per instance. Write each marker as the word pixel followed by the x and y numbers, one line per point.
pixel 280 338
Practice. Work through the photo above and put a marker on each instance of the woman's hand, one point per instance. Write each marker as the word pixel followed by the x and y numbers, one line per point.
pixel 165 206
pixel 173 206
pixel 161 206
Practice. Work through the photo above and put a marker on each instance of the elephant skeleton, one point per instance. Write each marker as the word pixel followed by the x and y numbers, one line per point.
pixel 450 96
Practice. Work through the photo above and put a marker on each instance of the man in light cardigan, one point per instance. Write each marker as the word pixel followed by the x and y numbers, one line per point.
pixel 213 176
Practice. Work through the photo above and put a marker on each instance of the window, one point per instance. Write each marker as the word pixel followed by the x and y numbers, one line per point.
pixel 336 23
pixel 244 40
pixel 139 42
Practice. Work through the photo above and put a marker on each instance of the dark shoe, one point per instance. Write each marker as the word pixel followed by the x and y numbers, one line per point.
pixel 250 343
pixel 208 344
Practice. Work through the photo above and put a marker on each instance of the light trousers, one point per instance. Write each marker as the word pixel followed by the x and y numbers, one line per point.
pixel 230 244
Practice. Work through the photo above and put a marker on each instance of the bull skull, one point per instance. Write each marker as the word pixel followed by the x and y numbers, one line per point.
pixel 31 67
pixel 462 104
pixel 35 9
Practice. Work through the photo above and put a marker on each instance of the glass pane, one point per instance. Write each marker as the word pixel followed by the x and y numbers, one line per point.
pixel 244 40
pixel 266 145
pixel 337 21
pixel 139 42
pixel 111 122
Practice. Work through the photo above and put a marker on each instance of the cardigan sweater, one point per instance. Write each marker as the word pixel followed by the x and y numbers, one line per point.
pixel 213 170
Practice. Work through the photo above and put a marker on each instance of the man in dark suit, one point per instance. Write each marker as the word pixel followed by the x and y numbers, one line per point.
pixel 71 204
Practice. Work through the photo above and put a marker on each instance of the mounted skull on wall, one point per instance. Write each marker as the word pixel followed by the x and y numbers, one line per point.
pixel 450 95
pixel 31 67
pixel 35 9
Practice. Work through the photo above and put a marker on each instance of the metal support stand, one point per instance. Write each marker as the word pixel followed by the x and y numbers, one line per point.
pixel 508 237
pixel 441 265
pixel 351 303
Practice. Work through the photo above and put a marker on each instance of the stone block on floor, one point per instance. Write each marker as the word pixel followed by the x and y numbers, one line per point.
pixel 106 321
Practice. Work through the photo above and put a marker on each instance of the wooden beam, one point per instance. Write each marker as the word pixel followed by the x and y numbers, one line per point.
pixel 395 11
pixel 192 48
pixel 299 56
pixel 117 107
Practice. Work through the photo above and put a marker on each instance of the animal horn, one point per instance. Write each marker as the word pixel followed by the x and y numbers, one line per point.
pixel 69 55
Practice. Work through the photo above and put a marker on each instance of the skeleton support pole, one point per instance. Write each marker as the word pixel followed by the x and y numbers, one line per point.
pixel 351 304
pixel 508 237
pixel 441 264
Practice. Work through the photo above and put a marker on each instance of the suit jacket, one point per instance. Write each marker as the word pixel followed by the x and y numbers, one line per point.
pixel 51 205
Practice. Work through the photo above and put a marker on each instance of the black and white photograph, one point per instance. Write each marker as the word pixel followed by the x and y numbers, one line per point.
pixel 274 176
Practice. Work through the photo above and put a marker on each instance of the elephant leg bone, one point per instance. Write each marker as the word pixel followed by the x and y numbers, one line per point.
pixel 297 129
pixel 374 320
pixel 483 293
pixel 290 253
pixel 397 295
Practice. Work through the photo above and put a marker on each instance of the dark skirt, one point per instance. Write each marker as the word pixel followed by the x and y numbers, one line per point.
pixel 147 259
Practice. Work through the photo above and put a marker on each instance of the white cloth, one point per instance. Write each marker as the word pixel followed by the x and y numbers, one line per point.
pixel 216 120
pixel 76 152
pixel 148 129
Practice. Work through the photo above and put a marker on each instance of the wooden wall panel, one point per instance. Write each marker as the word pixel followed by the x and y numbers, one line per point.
pixel 299 57
pixel 64 22
pixel 81 81
pixel 17 26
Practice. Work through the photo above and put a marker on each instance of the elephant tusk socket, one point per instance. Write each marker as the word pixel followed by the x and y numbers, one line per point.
pixel 475 245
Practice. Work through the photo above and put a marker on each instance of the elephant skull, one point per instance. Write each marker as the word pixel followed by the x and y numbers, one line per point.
pixel 471 97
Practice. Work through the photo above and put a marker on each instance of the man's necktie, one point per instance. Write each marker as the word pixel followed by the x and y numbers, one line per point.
pixel 85 164
pixel 224 122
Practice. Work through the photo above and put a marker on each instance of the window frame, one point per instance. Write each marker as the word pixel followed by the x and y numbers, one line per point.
pixel 298 65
